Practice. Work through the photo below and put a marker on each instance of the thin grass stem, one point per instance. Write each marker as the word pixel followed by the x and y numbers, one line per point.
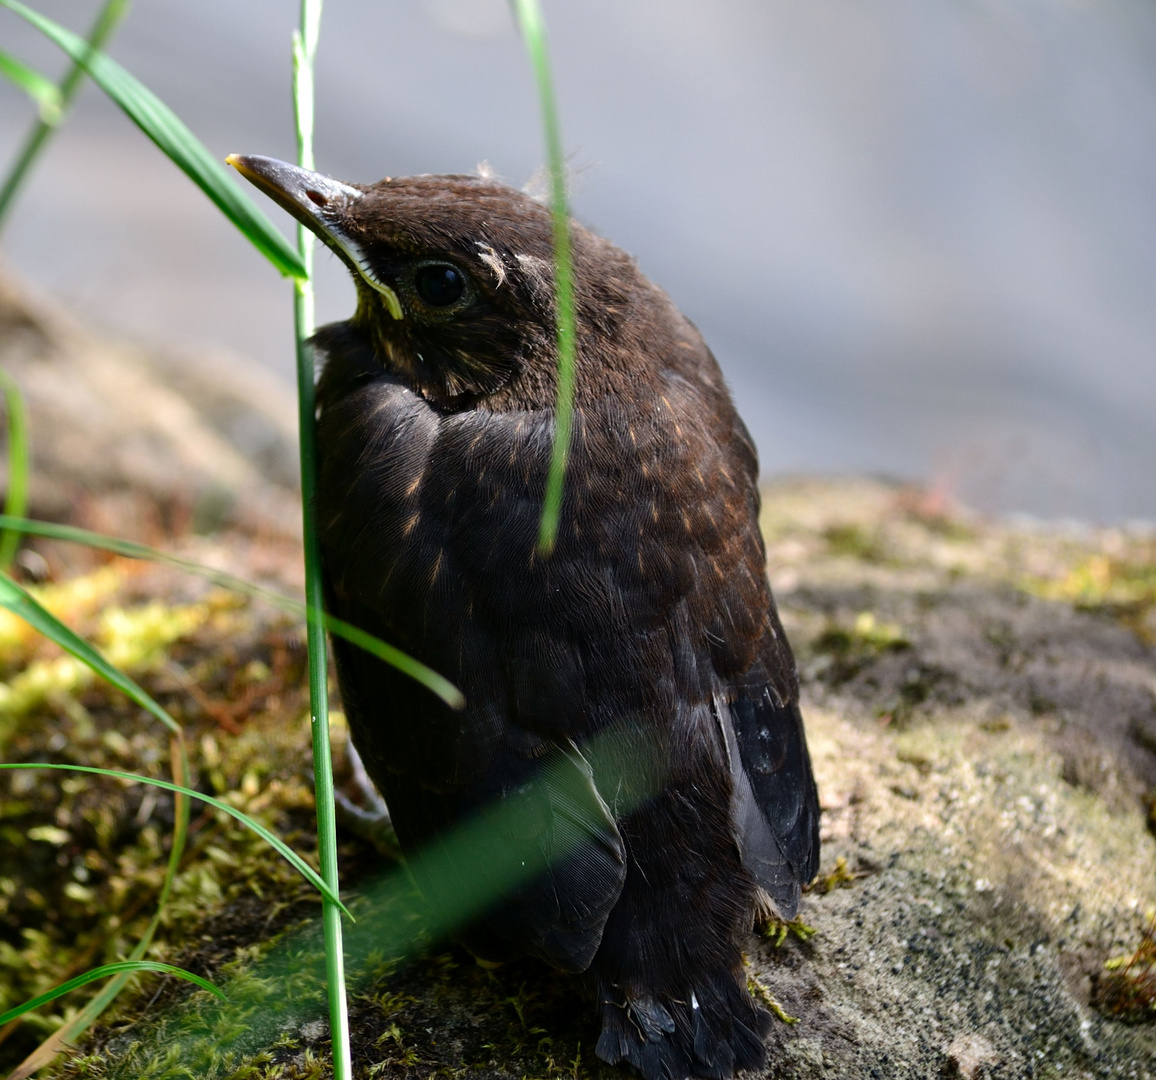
pixel 123 967
pixel 274 841
pixel 304 51
pixel 38 87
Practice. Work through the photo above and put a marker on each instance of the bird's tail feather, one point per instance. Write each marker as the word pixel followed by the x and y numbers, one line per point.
pixel 716 1031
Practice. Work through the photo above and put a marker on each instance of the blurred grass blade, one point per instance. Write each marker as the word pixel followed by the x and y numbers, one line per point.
pixel 275 842
pixel 169 133
pixel 533 30
pixel 466 868
pixel 21 604
pixel 41 89
pixel 102 29
pixel 121 967
pixel 393 656
pixel 16 498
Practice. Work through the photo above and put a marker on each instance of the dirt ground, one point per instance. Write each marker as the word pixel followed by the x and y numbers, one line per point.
pixel 981 708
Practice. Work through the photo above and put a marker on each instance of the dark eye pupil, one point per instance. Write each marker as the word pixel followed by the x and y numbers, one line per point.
pixel 440 285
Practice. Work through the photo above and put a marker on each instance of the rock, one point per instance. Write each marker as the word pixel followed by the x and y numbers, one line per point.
pixel 982 763
pixel 981 706
pixel 985 780
pixel 133 441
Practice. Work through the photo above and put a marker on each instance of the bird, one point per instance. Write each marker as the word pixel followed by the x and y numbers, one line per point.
pixel 631 697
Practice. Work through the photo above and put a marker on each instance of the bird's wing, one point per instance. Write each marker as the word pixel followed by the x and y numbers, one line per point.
pixel 556 839
pixel 418 552
pixel 523 858
pixel 774 801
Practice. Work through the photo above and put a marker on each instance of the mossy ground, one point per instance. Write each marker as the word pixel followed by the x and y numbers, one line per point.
pixel 981 707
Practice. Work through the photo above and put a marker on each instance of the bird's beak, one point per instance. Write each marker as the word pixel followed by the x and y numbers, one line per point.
pixel 320 204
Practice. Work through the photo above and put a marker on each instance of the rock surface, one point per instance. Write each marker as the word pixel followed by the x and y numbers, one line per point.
pixel 985 759
pixel 138 441
pixel 981 709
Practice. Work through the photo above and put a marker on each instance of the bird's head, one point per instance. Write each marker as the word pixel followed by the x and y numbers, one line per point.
pixel 454 274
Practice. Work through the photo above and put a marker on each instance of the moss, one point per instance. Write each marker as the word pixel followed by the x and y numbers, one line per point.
pixel 838 877
pixel 447 1016
pixel 760 992
pixel 776 931
pixel 866 636
pixel 853 541
pixel 84 856
pixel 1121 585
pixel 133 638
pixel 841 650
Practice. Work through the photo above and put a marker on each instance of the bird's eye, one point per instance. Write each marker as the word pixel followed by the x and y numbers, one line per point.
pixel 439 285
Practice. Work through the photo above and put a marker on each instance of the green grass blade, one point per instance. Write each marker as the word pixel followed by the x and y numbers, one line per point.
pixel 21 604
pixel 275 842
pixel 405 663
pixel 305 39
pixel 102 29
pixel 16 498
pixel 533 30
pixel 169 133
pixel 121 967
pixel 393 656
pixel 39 87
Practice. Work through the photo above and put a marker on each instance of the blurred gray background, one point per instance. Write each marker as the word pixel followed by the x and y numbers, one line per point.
pixel 919 236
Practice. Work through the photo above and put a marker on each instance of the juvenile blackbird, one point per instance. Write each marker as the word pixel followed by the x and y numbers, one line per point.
pixel 650 627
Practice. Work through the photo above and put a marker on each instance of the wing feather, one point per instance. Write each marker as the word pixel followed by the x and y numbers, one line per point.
pixel 774 802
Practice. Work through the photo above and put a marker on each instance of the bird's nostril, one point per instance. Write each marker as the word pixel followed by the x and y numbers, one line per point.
pixel 316 198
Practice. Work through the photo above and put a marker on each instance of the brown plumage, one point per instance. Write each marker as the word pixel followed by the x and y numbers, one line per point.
pixel 640 673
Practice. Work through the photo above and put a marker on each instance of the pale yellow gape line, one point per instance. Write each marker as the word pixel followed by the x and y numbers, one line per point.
pixel 355 256
pixel 314 203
